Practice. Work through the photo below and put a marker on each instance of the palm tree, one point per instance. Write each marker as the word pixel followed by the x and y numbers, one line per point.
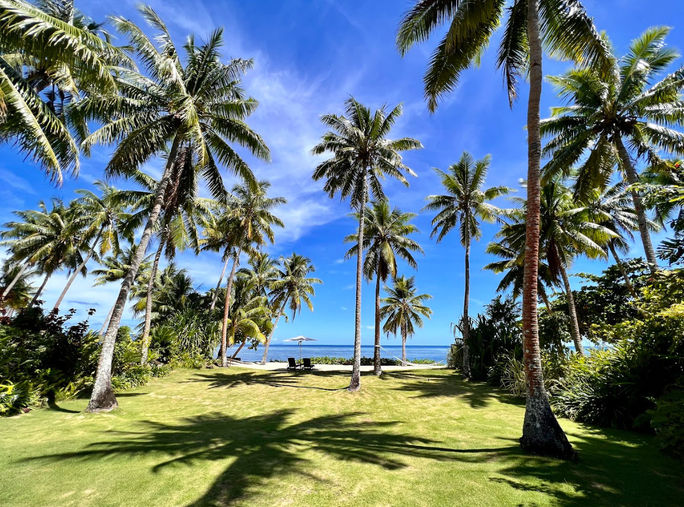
pixel 565 29
pixel 49 44
pixel 610 109
pixel 615 208
pixel 291 287
pixel 567 229
pixel 385 236
pixel 249 315
pixel 464 205
pixel 104 215
pixel 198 105
pixel 178 225
pixel 361 156
pixel 247 224
pixel 22 290
pixel 172 288
pixel 403 309
pixel 45 239
pixel 262 272
pixel 513 264
pixel 114 269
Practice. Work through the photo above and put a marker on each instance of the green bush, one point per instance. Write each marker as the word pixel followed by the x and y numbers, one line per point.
pixel 16 398
pixel 667 420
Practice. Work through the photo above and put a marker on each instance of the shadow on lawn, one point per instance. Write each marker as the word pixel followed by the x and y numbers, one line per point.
pixel 477 394
pixel 609 471
pixel 269 378
pixel 263 446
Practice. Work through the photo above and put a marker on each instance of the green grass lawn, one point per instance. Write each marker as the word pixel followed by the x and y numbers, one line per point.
pixel 277 438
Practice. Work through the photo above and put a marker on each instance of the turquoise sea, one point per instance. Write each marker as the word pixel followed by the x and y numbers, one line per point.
pixel 280 352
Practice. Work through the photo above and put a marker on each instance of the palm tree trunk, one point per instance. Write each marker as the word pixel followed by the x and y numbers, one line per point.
pixel 148 304
pixel 218 285
pixel 377 363
pixel 78 270
pixel 622 269
pixel 226 309
pixel 102 397
pixel 572 312
pixel 545 299
pixel 14 280
pixel 40 290
pixel 355 383
pixel 632 179
pixel 106 322
pixel 466 298
pixel 238 350
pixel 541 432
pixel 403 345
pixel 264 359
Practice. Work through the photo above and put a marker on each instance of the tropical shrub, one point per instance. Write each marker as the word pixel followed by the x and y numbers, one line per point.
pixel 667 420
pixel 620 386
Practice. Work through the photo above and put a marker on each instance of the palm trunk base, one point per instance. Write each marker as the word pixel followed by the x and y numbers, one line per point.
pixel 377 362
pixel 542 435
pixel 103 401
pixel 466 361
pixel 355 383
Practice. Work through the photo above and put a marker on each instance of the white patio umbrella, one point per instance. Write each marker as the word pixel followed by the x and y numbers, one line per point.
pixel 300 339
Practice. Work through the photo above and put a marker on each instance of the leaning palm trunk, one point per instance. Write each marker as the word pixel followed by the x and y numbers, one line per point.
pixel 78 271
pixel 40 290
pixel 14 281
pixel 541 432
pixel 102 397
pixel 106 322
pixel 377 362
pixel 355 383
pixel 572 312
pixel 145 348
pixel 622 269
pixel 264 359
pixel 218 285
pixel 226 309
pixel 633 179
pixel 466 318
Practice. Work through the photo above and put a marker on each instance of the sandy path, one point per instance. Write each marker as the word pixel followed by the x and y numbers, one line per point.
pixel 334 367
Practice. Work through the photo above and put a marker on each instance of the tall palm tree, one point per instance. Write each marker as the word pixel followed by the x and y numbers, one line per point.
pixel 463 206
pixel 611 109
pixel 385 237
pixel 114 269
pixel 567 229
pixel 615 209
pixel 512 264
pixel 247 225
pixel 172 290
pixel 49 44
pixel 262 272
pixel 178 226
pixel 249 315
pixel 45 239
pixel 361 155
pixel 197 105
pixel 291 287
pixel 403 309
pixel 565 29
pixel 104 215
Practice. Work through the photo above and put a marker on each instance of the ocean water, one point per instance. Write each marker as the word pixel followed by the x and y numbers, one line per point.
pixel 278 352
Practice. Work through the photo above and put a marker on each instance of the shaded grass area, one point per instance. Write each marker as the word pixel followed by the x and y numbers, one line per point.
pixel 237 436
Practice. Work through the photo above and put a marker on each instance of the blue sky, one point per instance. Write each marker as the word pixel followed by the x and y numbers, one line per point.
pixel 310 55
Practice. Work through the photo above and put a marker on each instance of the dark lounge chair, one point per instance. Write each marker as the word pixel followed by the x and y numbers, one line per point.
pixel 292 364
pixel 307 364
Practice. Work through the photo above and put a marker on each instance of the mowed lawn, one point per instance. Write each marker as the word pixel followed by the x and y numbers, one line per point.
pixel 240 436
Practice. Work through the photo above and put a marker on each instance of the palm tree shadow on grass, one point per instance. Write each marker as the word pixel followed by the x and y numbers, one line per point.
pixel 265 446
pixel 478 395
pixel 271 378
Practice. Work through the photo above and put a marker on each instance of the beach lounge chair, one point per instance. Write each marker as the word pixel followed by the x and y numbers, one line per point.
pixel 292 364
pixel 307 364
